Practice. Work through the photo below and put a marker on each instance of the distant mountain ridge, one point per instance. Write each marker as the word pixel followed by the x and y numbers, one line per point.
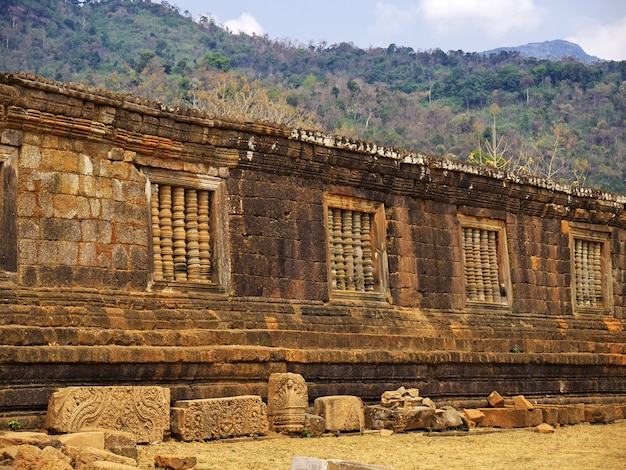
pixel 553 50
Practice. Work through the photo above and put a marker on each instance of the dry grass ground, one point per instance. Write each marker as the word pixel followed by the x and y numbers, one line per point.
pixel 584 446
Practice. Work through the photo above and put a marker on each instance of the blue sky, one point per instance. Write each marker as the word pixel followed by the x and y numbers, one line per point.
pixel 598 26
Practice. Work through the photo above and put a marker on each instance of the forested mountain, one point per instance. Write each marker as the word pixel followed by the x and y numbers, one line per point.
pixel 559 119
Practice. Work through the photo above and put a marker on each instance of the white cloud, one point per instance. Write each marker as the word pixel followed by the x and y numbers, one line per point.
pixel 604 41
pixel 495 18
pixel 246 23
pixel 391 21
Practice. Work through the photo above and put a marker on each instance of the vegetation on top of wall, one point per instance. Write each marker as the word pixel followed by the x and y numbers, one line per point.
pixel 558 119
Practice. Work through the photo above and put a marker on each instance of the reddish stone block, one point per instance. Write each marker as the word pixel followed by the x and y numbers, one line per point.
pixel 511 418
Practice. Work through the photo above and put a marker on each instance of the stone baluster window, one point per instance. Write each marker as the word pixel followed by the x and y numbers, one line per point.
pixel 186 228
pixel 485 261
pixel 181 235
pixel 591 284
pixel 357 263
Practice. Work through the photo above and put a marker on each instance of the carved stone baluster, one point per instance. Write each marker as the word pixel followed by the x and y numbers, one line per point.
pixel 191 230
pixel 578 270
pixel 368 262
pixel 348 248
pixel 597 273
pixel 331 249
pixel 359 283
pixel 204 236
pixel 478 257
pixel 587 277
pixel 165 217
pixel 494 273
pixel 338 242
pixel 470 265
pixel 157 262
pixel 178 224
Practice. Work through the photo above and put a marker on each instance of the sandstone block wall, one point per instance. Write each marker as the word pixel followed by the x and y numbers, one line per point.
pixel 104 210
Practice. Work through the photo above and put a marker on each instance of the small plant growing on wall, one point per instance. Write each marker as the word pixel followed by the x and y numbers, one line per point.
pixel 15 425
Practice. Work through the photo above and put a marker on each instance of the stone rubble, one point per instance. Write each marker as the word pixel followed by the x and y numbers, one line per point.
pixel 203 419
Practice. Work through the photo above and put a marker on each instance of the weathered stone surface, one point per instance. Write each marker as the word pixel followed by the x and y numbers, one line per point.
pixel 104 465
pixel 345 465
pixel 511 418
pixel 341 412
pixel 287 399
pixel 495 399
pixel 13 438
pixel 398 420
pixel 215 418
pixel 550 414
pixel 544 428
pixel 602 413
pixel 144 411
pixel 29 457
pixel 174 462
pixel 314 425
pixel 310 463
pixel 520 403
pixel 86 457
pixel 473 415
pixel 121 443
pixel 401 398
pixel 93 439
pixel 571 414
pixel 446 418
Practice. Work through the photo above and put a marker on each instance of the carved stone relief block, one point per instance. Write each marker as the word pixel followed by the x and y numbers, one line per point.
pixel 287 399
pixel 143 411
pixel 215 418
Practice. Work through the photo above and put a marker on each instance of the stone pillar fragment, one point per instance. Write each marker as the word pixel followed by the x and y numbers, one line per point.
pixel 216 418
pixel 143 411
pixel 287 399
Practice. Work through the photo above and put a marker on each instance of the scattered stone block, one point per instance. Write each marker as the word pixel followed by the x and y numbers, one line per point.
pixel 83 439
pixel 495 399
pixel 602 413
pixel 401 398
pixel 344 465
pixel 571 414
pixel 446 418
pixel 89 457
pixel 429 403
pixel 287 399
pixel 520 403
pixel 121 443
pixel 15 438
pixel 544 428
pixel 341 412
pixel 511 418
pixel 104 465
pixel 550 414
pixel 309 463
pixel 398 420
pixel 474 416
pixel 30 457
pixel 386 432
pixel 144 411
pixel 174 462
pixel 215 418
pixel 314 424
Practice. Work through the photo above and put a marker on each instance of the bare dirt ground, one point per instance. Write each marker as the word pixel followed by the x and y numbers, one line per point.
pixel 584 446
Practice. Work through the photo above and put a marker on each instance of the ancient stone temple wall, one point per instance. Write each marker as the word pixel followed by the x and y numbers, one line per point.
pixel 143 245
